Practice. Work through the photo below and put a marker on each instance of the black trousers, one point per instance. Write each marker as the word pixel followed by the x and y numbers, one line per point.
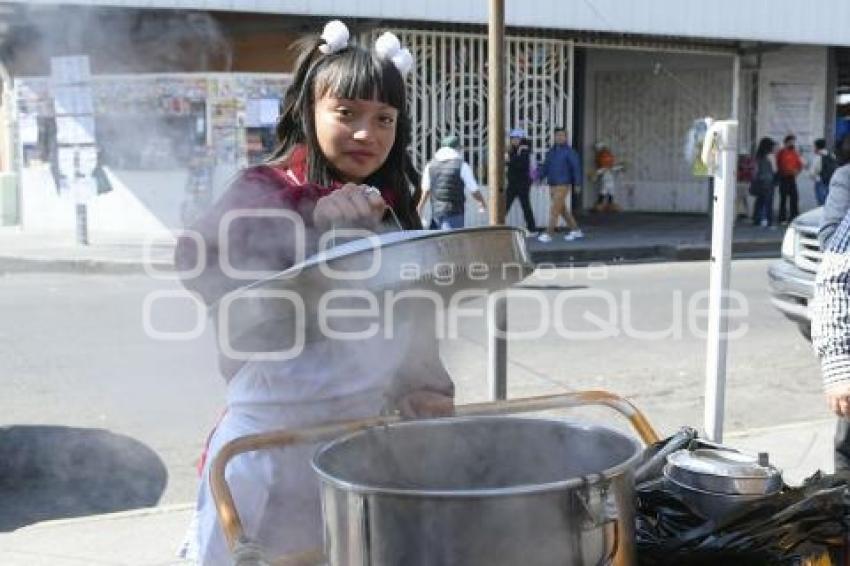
pixel 788 192
pixel 522 193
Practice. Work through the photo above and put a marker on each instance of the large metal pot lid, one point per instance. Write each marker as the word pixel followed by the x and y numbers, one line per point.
pixel 396 238
pixel 724 463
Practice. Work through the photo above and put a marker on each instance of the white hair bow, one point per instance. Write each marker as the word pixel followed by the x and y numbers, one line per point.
pixel 335 36
pixel 389 47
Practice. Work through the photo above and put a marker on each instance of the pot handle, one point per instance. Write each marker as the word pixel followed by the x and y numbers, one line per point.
pixel 245 551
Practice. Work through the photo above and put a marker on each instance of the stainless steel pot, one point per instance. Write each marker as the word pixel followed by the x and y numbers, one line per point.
pixel 246 552
pixel 479 490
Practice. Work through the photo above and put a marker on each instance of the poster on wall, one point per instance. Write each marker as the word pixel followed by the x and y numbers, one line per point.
pixel 791 106
pixel 261 112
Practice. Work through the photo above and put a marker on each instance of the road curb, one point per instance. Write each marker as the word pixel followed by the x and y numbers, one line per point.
pixel 784 427
pixel 13 264
pixel 558 257
pixel 649 253
pixel 117 516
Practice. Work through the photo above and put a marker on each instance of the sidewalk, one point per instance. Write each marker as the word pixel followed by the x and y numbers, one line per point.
pixel 609 238
pixel 150 537
pixel 23 252
pixel 635 236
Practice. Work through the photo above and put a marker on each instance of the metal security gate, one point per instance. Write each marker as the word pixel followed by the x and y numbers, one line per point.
pixel 448 94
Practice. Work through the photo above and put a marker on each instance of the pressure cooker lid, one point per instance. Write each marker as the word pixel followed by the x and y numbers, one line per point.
pixel 723 471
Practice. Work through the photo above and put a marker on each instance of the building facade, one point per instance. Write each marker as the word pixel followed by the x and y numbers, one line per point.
pixel 632 75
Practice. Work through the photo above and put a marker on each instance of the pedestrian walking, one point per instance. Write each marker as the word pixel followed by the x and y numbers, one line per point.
pixel 763 185
pixel 789 164
pixel 823 166
pixel 519 176
pixel 562 170
pixel 446 181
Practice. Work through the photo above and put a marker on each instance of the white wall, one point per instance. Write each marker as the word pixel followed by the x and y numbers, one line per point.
pixel 642 104
pixel 792 99
pixel 142 204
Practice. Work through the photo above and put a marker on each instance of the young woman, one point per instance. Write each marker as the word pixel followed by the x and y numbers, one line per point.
pixel 344 128
pixel 763 185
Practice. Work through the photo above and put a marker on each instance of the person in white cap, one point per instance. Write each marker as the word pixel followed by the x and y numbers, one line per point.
pixel 519 176
pixel 446 181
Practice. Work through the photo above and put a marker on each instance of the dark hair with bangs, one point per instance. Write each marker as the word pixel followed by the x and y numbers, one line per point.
pixel 355 73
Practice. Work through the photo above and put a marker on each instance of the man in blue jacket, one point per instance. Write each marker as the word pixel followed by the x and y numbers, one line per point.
pixel 562 170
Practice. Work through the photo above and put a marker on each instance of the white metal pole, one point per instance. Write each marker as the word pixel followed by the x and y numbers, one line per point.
pixel 721 256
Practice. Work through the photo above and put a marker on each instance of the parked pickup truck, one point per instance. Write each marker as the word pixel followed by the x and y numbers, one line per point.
pixel 792 278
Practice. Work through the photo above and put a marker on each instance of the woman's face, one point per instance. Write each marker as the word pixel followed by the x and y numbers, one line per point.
pixel 355 136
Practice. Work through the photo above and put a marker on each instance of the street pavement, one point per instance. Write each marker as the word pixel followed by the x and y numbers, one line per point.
pixel 77 356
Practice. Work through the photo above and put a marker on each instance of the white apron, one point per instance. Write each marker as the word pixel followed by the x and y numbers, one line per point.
pixel 276 491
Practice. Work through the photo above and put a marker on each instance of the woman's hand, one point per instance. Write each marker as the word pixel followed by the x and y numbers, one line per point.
pixel 350 206
pixel 423 404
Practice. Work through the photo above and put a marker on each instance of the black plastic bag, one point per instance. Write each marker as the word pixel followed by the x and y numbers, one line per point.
pixel 783 529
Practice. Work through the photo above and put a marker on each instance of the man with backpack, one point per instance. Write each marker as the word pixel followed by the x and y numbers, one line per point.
pixel 789 164
pixel 823 166
pixel 446 181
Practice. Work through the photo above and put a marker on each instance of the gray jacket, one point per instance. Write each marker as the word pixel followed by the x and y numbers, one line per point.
pixel 837 204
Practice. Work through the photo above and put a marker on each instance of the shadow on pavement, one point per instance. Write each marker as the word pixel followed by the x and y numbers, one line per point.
pixel 53 472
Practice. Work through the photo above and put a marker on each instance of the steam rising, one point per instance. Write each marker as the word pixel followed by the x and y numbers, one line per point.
pixel 125 40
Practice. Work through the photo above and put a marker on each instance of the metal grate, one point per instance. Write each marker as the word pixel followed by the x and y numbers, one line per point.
pixel 808 255
pixel 448 94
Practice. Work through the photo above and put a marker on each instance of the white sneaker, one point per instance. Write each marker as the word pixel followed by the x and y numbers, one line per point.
pixel 763 223
pixel 574 235
pixel 544 237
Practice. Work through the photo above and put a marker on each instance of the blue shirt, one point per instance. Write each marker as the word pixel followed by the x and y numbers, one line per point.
pixel 562 166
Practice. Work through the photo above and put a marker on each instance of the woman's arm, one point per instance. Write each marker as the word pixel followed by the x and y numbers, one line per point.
pixel 422 386
pixel 254 243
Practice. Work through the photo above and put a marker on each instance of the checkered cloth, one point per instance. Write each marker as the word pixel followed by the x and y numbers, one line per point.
pixel 831 308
